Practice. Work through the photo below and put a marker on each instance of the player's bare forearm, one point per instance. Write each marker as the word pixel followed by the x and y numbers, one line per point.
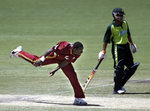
pixel 130 39
pixel 104 46
pixel 53 71
pixel 61 65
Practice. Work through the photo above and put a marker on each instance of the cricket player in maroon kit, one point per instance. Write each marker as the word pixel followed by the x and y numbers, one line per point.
pixel 64 54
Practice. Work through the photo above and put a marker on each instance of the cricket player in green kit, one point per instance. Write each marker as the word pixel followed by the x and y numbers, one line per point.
pixel 118 34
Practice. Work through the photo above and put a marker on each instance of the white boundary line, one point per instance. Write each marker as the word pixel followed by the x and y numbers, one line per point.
pixel 111 84
pixel 106 85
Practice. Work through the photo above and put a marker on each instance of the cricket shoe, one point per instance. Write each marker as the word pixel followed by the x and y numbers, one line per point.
pixel 120 91
pixel 123 89
pixel 79 101
pixel 15 52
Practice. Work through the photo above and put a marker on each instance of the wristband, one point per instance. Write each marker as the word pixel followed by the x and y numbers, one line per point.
pixel 42 58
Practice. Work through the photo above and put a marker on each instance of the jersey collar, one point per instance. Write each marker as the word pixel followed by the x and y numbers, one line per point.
pixel 116 24
pixel 71 49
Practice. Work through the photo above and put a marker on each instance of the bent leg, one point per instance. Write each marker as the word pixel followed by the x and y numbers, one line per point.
pixel 131 67
pixel 72 76
pixel 129 72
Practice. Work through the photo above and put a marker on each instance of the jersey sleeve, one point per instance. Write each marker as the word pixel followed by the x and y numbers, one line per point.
pixel 107 36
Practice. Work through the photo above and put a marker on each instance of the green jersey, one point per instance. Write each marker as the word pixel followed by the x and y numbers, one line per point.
pixel 117 34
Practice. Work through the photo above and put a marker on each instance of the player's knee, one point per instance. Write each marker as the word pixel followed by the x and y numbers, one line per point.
pixel 131 70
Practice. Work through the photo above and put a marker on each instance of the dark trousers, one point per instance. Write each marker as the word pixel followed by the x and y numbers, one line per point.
pixel 122 57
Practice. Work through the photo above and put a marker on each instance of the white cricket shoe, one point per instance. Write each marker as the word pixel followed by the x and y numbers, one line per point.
pixel 79 101
pixel 15 52
pixel 123 89
pixel 120 91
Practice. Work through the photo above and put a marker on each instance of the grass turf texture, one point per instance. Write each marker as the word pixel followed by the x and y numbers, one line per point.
pixel 38 25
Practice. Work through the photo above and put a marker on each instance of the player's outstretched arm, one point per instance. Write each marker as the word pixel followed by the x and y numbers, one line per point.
pixel 62 64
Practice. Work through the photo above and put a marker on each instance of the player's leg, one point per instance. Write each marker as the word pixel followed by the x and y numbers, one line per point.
pixel 72 76
pixel 118 56
pixel 131 67
pixel 118 74
pixel 129 73
pixel 19 52
pixel 28 57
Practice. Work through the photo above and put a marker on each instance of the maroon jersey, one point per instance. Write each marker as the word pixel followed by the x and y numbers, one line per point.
pixel 64 51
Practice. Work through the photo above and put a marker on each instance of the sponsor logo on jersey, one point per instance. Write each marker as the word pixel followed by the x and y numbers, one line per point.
pixel 123 32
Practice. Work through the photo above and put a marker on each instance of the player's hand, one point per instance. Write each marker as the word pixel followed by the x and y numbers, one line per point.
pixel 133 48
pixel 38 63
pixel 101 55
pixel 52 73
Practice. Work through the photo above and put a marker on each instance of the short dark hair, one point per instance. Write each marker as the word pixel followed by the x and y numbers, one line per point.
pixel 77 45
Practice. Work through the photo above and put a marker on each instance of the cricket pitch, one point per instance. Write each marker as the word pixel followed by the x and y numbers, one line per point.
pixel 67 101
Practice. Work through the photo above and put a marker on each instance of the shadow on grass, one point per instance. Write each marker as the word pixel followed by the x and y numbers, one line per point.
pixel 64 104
pixel 138 93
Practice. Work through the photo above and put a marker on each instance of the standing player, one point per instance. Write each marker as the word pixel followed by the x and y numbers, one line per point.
pixel 63 54
pixel 119 34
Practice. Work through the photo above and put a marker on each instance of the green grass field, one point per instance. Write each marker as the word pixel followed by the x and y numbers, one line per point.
pixel 39 24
